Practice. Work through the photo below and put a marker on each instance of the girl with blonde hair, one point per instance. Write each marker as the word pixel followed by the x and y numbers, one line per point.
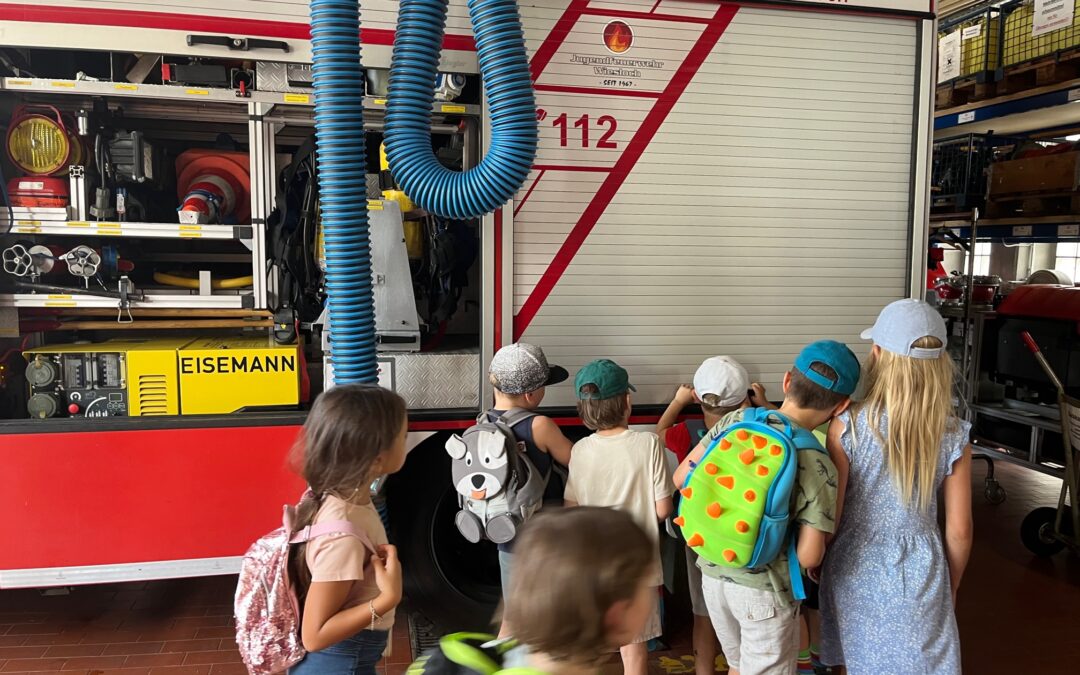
pixel 889 583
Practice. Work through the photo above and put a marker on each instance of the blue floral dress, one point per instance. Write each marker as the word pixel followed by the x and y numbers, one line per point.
pixel 886 605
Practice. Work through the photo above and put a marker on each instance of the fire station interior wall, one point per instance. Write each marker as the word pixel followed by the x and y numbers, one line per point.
pixel 162 26
pixel 770 209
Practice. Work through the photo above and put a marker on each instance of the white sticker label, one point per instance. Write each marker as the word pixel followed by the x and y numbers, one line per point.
pixel 949 57
pixel 1051 15
pixel 966 117
pixel 31 185
pixel 1021 231
pixel 972 32
pixel 1069 230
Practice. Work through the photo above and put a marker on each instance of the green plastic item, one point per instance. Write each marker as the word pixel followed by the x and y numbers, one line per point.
pixel 724 501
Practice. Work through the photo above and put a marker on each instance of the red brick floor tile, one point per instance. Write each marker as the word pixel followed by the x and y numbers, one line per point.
pixel 124 671
pixel 95 662
pixel 222 632
pixel 192 645
pixel 34 665
pixel 21 653
pixel 219 656
pixel 155 660
pixel 71 651
pixel 228 669
pixel 126 648
pixel 60 638
pixel 110 637
pixel 34 629
pixel 204 622
pixel 4 628
pixel 168 634
pixel 13 640
pixel 182 670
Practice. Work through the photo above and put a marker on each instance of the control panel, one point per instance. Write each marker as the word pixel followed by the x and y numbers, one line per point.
pixel 88 384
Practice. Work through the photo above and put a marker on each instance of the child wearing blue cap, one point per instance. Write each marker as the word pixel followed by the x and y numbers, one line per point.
pixel 889 584
pixel 754 610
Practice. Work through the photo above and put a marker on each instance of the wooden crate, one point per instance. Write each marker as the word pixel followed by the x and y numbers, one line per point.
pixel 1034 186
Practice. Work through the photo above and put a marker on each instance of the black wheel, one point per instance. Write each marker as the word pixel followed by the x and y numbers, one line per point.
pixel 994 493
pixel 453 583
pixel 1037 532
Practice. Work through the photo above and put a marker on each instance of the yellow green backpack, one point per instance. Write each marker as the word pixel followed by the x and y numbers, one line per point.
pixel 735 504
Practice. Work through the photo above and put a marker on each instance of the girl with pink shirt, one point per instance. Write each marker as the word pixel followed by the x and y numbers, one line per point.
pixel 348 584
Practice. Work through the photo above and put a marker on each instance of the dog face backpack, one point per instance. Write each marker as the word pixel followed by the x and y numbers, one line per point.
pixel 498 487
pixel 735 503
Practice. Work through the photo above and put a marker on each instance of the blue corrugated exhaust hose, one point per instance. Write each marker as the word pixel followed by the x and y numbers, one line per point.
pixel 504 67
pixel 342 156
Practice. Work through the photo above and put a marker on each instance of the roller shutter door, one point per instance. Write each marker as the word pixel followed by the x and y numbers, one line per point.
pixel 769 206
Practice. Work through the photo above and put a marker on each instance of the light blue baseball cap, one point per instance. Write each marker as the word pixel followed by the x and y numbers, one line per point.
pixel 904 322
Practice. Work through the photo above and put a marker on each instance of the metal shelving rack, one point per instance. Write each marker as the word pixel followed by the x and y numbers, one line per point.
pixel 964 320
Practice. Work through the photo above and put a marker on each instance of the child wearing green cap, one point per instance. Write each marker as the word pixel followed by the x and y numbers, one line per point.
pixel 754 611
pixel 623 469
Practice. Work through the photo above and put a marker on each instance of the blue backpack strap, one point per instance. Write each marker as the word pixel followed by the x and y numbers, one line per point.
pixel 798 589
pixel 803 439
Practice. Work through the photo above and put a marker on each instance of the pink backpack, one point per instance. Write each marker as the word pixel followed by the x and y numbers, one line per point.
pixel 266 607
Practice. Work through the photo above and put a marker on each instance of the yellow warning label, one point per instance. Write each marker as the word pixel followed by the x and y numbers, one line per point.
pixel 297 98
pixel 380 101
pixel 198 92
pixel 20 83
pixel 193 228
pixel 108 233
pixel 64 84
pixel 190 235
pixel 28 223
pixel 127 87
pixel 49 303
pixel 374 205
pixel 59 297
pixel 452 108
pixel 77 223
pixel 28 230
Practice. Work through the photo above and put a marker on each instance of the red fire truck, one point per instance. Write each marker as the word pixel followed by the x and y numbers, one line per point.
pixel 712 177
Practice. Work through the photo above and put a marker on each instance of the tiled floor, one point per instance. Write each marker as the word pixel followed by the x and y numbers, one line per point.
pixel 1017 613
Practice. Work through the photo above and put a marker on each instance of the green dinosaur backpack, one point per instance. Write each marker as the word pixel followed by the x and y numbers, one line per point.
pixel 469 654
pixel 735 502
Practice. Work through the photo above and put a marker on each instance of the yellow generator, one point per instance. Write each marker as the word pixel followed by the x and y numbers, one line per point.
pixel 161 376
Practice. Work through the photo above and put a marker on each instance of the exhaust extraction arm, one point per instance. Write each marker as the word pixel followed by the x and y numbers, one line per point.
pixel 339 124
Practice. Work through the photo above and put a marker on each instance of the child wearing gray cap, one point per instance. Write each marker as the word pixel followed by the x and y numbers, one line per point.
pixel 520 374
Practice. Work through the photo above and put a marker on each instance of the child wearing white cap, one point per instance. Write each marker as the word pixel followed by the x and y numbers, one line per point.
pixel 721 385
pixel 889 583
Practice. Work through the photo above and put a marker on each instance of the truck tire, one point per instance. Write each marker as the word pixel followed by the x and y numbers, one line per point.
pixel 453 583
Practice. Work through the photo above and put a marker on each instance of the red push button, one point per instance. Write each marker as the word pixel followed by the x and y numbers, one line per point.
pixel 73 408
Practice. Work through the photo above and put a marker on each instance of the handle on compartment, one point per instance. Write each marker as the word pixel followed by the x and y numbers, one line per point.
pixel 236 44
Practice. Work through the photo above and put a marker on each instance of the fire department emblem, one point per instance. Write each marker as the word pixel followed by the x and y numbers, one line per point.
pixel 618 37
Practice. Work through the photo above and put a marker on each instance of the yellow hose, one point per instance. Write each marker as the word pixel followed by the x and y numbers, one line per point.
pixel 187 282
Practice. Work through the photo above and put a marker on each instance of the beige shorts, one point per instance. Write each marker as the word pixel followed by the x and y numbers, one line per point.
pixel 757 634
